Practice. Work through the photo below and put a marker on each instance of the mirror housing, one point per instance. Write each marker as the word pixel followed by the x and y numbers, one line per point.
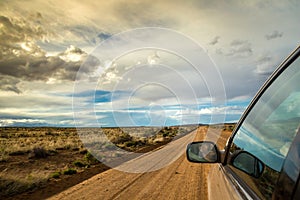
pixel 248 163
pixel 203 152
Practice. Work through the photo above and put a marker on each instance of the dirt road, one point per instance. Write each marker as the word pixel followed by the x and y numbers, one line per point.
pixel 179 180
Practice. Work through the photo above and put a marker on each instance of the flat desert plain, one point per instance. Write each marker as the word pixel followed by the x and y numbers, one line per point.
pixel 40 163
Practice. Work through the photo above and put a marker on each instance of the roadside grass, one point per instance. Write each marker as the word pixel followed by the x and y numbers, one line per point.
pixel 69 171
pixel 14 183
pixel 31 157
pixel 55 175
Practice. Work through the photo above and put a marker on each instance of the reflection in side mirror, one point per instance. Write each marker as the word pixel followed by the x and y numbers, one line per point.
pixel 202 152
pixel 248 163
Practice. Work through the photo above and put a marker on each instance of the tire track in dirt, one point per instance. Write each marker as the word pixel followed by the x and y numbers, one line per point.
pixel 166 179
pixel 140 189
pixel 179 180
pixel 152 166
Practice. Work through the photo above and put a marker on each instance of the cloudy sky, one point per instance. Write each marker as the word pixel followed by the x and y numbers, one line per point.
pixel 92 63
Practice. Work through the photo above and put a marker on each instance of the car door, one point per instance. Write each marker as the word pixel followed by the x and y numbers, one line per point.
pixel 260 160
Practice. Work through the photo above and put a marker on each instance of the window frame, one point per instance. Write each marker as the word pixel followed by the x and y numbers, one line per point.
pixel 282 67
pixel 286 188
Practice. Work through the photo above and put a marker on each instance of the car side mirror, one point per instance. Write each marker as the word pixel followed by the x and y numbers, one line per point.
pixel 248 163
pixel 202 152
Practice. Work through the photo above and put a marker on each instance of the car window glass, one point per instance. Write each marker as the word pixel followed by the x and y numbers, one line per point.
pixel 270 127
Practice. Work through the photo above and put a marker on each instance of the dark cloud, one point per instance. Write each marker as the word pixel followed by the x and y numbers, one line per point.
pixel 32 68
pixel 17 36
pixel 17 30
pixel 104 36
pixel 8 83
pixel 22 59
pixel 100 37
pixel 274 35
pixel 266 65
pixel 215 40
pixel 237 48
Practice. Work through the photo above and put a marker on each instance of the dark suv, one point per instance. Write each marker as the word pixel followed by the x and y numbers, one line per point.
pixel 261 159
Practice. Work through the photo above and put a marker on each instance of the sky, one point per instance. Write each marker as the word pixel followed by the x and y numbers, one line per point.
pixel 138 63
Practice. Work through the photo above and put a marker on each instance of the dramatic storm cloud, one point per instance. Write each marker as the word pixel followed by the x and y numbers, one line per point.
pixel 43 45
pixel 22 59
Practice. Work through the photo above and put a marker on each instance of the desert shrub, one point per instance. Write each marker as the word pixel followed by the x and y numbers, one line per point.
pixel 3 158
pixel 130 143
pixel 4 135
pixel 40 152
pixel 55 175
pixel 49 133
pixel 79 164
pixel 120 138
pixel 231 127
pixel 90 158
pixel 52 152
pixel 68 146
pixel 83 151
pixel 69 171
pixel 60 148
pixel 75 149
pixel 228 127
pixel 17 153
pixel 10 187
pixel 165 134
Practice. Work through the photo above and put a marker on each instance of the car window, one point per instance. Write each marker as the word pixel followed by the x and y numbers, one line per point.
pixel 269 129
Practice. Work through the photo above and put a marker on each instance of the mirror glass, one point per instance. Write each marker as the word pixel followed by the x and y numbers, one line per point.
pixel 248 163
pixel 203 152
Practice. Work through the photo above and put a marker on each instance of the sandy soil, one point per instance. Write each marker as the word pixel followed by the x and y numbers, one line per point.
pixel 180 180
